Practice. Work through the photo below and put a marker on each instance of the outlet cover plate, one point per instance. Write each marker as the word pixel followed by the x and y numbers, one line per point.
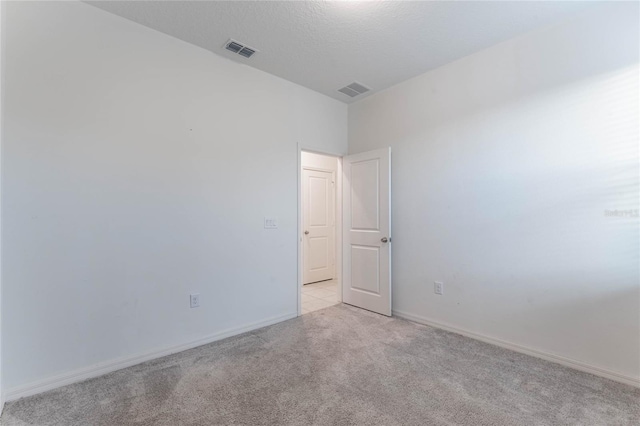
pixel 194 300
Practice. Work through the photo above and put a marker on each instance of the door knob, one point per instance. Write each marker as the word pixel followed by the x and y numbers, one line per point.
pixel 306 232
pixel 384 239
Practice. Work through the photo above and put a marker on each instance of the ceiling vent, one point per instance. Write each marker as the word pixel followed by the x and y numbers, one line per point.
pixel 354 89
pixel 239 48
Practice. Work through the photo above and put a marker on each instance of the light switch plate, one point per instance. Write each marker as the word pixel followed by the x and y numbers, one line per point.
pixel 270 223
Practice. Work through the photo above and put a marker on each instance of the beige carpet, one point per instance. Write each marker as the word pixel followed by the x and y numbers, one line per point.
pixel 338 366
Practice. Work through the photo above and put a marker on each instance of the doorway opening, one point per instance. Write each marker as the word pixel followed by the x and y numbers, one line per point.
pixel 344 229
pixel 320 208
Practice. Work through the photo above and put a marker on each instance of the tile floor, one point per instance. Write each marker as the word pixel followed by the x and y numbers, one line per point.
pixel 319 296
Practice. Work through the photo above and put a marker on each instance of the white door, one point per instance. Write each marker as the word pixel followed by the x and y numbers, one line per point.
pixel 318 224
pixel 367 227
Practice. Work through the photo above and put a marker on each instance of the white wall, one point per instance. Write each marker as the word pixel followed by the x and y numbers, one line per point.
pixel 320 161
pixel 138 169
pixel 504 163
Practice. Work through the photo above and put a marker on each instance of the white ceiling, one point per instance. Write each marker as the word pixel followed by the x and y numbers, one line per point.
pixel 327 45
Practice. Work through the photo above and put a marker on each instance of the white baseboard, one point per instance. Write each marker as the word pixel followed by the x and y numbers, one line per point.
pixel 124 362
pixel 567 362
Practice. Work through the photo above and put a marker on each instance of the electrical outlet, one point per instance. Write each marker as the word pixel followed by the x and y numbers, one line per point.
pixel 194 300
pixel 438 287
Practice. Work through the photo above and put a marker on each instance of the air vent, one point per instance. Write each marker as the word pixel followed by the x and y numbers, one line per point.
pixel 246 52
pixel 239 48
pixel 354 89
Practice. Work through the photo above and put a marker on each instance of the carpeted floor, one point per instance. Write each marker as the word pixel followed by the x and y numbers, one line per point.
pixel 338 366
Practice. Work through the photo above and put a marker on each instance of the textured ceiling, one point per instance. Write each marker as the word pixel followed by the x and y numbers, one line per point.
pixel 327 45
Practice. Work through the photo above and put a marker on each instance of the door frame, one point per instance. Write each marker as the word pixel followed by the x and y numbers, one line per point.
pixel 338 230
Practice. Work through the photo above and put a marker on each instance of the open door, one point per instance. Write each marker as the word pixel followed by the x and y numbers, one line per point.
pixel 367 231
